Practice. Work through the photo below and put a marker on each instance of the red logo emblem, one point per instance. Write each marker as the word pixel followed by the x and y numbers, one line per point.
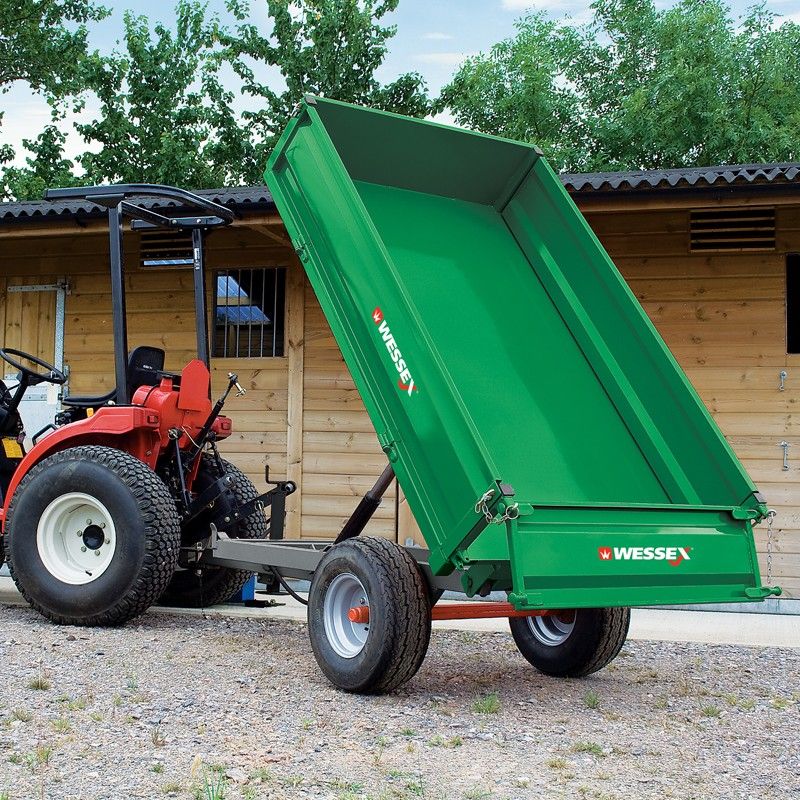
pixel 604 553
pixel 377 316
pixel 683 552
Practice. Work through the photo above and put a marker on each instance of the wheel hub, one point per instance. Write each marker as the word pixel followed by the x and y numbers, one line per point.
pixel 553 629
pixel 345 636
pixel 93 537
pixel 76 538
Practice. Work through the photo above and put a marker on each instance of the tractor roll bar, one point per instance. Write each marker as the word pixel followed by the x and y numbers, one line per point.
pixel 120 199
pixel 109 196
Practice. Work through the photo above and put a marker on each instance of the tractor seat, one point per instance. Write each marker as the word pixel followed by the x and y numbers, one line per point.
pixel 145 365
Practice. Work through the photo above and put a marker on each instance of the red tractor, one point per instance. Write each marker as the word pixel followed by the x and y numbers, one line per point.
pixel 107 511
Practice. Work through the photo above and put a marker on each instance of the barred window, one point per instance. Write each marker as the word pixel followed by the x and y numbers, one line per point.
pixel 249 312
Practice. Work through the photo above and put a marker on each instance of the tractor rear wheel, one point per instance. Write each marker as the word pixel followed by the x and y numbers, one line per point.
pixel 572 644
pixel 209 586
pixel 384 652
pixel 92 536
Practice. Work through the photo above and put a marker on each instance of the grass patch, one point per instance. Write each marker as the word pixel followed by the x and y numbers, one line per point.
pixel 747 704
pixel 172 787
pixel 40 757
pixel 157 737
pixel 61 725
pixel 213 787
pixel 710 711
pixel 22 715
pixel 157 768
pixel 39 683
pixel 592 748
pixel 557 763
pixel 780 703
pixel 591 699
pixel 490 704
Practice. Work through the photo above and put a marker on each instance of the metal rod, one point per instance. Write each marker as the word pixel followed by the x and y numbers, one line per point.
pixel 367 507
pixel 471 610
pixel 200 312
pixel 118 304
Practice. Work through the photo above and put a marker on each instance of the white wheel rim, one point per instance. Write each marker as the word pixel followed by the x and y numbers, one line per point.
pixel 347 638
pixel 553 629
pixel 76 538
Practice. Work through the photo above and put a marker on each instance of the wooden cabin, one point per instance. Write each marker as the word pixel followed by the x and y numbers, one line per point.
pixel 712 254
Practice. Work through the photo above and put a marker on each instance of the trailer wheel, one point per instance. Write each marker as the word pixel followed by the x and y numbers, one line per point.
pixel 92 536
pixel 214 585
pixel 572 644
pixel 382 654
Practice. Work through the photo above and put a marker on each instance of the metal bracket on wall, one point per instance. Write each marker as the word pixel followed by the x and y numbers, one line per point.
pixel 785 445
pixel 782 376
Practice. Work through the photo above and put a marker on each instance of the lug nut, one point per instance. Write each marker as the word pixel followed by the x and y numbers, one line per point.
pixel 88 522
pixel 80 533
pixel 102 524
pixel 108 541
pixel 83 548
pixel 97 552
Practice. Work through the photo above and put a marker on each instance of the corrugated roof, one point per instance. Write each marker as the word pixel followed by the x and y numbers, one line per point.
pixel 258 198
pixel 243 198
pixel 728 176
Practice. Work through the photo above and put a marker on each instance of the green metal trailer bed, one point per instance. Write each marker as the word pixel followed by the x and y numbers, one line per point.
pixel 511 375
pixel 549 445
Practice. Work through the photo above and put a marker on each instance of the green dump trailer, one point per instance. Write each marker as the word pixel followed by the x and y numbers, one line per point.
pixel 548 443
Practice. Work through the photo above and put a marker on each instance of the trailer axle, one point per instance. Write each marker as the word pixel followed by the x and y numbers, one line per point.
pixel 360 614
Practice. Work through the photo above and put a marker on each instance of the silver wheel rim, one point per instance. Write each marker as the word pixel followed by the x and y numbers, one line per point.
pixel 76 538
pixel 552 630
pixel 347 638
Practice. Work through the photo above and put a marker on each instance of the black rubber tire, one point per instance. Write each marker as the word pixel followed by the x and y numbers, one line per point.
pixel 147 531
pixel 594 642
pixel 400 616
pixel 215 585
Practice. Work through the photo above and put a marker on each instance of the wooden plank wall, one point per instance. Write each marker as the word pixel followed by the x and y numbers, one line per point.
pixel 724 318
pixel 341 458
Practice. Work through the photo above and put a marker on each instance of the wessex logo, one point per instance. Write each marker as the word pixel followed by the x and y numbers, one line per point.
pixel 405 381
pixel 672 555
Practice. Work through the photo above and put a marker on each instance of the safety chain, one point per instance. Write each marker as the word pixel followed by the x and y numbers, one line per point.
pixel 482 507
pixel 771 514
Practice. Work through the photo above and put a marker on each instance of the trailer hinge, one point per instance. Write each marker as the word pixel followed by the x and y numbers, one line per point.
pixel 389 446
pixel 754 508
pixel 301 249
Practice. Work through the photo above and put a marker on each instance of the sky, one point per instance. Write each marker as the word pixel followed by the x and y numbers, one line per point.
pixel 433 37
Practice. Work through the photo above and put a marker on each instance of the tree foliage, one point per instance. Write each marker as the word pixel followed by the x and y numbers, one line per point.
pixel 43 42
pixel 325 47
pixel 640 87
pixel 164 115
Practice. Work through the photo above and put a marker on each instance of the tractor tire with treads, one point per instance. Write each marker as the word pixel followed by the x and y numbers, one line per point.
pixel 572 644
pixel 92 536
pixel 384 653
pixel 214 585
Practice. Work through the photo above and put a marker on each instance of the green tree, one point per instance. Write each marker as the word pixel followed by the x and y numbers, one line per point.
pixel 46 166
pixel 165 116
pixel 325 47
pixel 640 87
pixel 43 42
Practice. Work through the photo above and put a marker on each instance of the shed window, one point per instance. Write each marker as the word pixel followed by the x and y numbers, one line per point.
pixel 165 249
pixel 249 312
pixel 793 303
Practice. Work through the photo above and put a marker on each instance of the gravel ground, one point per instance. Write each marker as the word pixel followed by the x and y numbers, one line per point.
pixel 188 707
